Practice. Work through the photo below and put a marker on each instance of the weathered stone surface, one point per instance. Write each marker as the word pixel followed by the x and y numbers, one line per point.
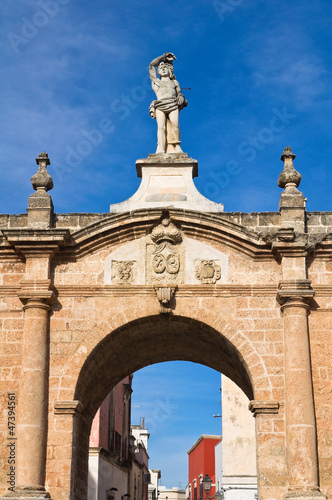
pixel 40 206
pixel 170 101
pixel 80 309
pixel 167 182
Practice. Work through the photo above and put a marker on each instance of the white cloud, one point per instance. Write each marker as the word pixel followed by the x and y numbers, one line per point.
pixel 288 64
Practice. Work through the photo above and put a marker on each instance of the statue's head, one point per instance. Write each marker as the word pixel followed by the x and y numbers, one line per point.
pixel 165 69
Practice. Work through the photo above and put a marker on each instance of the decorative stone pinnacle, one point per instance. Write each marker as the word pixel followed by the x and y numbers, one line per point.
pixel 43 157
pixel 287 153
pixel 289 177
pixel 42 179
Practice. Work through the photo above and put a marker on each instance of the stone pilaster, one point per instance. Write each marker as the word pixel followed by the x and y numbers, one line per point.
pixel 36 247
pixel 268 446
pixel 33 396
pixel 33 392
pixel 302 461
pixel 73 422
pixel 294 296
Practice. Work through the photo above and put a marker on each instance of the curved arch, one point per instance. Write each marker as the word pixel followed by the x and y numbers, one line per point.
pixel 139 338
pixel 154 339
pixel 113 229
pixel 215 328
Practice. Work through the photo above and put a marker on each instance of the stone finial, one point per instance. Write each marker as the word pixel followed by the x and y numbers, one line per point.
pixel 42 179
pixel 289 177
pixel 292 202
pixel 40 205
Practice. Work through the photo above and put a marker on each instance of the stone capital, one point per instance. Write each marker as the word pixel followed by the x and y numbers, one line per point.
pixel 264 407
pixel 36 293
pixel 288 243
pixel 68 407
pixel 295 293
pixel 34 243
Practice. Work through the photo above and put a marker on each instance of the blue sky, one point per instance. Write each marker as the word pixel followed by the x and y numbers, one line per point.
pixel 74 83
pixel 68 66
pixel 178 400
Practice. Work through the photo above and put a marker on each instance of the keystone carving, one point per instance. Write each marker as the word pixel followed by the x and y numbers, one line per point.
pixel 165 294
pixel 207 271
pixel 122 271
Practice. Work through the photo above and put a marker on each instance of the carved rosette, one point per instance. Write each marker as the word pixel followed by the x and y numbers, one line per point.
pixel 165 256
pixel 122 271
pixel 207 271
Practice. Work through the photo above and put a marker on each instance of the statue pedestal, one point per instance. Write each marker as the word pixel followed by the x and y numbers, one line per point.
pixel 167 182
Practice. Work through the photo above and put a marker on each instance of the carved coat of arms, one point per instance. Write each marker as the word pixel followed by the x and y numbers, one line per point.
pixel 207 271
pixel 165 258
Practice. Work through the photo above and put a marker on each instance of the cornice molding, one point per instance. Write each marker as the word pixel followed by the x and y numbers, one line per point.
pixel 295 293
pixel 36 293
pixel 264 407
pixel 68 407
pixel 35 243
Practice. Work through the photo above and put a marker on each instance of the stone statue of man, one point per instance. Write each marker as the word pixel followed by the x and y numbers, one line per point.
pixel 168 104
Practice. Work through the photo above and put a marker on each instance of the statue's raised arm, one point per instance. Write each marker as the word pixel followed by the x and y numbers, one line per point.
pixel 168 104
pixel 153 65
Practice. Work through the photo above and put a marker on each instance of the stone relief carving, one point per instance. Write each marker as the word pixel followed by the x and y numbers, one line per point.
pixel 207 271
pixel 122 271
pixel 165 256
pixel 165 294
pixel 171 263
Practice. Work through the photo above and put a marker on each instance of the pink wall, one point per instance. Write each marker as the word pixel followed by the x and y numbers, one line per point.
pixel 94 435
pixel 99 436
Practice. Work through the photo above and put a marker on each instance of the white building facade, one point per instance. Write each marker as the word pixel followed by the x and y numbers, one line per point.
pixel 236 465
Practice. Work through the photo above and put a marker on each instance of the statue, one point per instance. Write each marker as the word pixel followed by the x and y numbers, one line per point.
pixel 168 104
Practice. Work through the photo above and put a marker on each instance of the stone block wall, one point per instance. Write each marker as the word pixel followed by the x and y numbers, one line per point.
pixel 99 332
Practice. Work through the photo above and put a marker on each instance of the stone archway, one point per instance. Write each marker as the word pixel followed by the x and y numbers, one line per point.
pixel 240 285
pixel 139 343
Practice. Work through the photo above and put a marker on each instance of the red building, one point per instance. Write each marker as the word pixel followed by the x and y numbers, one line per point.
pixel 201 457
